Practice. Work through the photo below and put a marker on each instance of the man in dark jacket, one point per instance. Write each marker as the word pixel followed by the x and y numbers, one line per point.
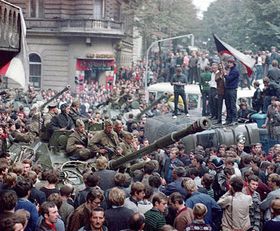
pixel 179 81
pixel 63 121
pixel 81 215
pixel 176 186
pixel 97 219
pixel 274 73
pixel 231 85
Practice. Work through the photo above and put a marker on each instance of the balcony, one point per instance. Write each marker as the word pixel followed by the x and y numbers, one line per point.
pixel 75 26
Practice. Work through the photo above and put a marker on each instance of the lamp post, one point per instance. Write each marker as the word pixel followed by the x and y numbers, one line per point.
pixel 147 56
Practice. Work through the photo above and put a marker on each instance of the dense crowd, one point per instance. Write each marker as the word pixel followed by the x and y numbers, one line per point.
pixel 220 188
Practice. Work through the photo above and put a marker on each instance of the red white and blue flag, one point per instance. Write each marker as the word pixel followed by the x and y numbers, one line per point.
pixel 224 48
pixel 13 62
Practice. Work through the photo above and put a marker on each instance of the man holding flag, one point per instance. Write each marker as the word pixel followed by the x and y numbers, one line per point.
pixel 232 76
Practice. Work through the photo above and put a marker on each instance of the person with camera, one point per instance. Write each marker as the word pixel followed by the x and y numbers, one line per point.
pixel 236 207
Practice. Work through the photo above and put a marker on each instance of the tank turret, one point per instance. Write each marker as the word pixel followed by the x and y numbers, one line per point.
pixel 198 126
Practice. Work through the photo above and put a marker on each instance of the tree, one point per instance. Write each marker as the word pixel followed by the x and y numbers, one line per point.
pixel 228 20
pixel 265 26
pixel 156 19
pixel 244 24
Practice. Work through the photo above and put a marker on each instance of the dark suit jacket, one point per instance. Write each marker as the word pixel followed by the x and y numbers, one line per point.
pixel 176 163
pixel 37 196
pixel 106 178
pixel 175 186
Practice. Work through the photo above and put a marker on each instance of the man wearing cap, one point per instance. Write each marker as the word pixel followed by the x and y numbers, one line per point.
pixel 105 142
pixel 178 81
pixel 63 121
pixel 231 85
pixel 77 143
pixel 45 130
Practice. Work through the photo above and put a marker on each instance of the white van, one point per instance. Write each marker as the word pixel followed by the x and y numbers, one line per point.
pixel 193 94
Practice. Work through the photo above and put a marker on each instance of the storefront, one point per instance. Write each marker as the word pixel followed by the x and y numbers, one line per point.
pixel 95 68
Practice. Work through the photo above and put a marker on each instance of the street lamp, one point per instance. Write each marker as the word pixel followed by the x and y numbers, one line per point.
pixel 147 57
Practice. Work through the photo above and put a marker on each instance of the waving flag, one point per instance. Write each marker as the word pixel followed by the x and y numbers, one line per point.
pixel 13 59
pixel 224 48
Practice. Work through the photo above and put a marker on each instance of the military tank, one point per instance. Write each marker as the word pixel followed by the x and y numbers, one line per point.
pixel 52 155
pixel 197 126
pixel 158 126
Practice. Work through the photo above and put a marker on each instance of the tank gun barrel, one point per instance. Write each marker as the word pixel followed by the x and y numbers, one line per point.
pixel 198 126
pixel 54 97
pixel 154 103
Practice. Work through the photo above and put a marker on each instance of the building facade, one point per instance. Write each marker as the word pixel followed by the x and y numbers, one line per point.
pixel 75 41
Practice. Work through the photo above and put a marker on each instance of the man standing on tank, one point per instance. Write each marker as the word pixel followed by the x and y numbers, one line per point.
pixel 231 85
pixel 178 81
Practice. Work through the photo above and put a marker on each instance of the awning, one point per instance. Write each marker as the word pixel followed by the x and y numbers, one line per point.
pixel 104 64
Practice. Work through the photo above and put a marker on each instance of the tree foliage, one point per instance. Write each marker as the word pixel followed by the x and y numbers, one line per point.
pixel 265 28
pixel 245 24
pixel 156 19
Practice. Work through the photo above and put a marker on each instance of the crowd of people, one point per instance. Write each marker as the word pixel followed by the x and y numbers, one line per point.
pixel 219 188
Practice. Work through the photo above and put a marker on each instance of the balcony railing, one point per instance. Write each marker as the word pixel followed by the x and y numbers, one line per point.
pixel 75 25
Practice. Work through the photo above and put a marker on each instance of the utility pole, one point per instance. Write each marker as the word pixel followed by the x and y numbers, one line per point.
pixel 147 58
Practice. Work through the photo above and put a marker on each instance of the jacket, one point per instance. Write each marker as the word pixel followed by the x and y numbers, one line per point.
pixel 44 227
pixel 232 79
pixel 88 228
pixel 74 139
pixel 236 211
pixel 214 211
pixel 62 121
pixel 79 218
pixel 219 78
pixel 102 139
pixel 178 78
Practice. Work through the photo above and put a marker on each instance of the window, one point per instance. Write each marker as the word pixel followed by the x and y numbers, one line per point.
pixel 36 8
pixel 117 15
pixel 35 70
pixel 98 9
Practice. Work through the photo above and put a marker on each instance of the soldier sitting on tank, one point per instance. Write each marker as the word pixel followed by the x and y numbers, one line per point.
pixel 128 145
pixel 18 133
pixel 97 122
pixel 46 123
pixel 77 143
pixel 33 123
pixel 75 112
pixel 118 128
pixel 244 113
pixel 105 142
pixel 62 121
